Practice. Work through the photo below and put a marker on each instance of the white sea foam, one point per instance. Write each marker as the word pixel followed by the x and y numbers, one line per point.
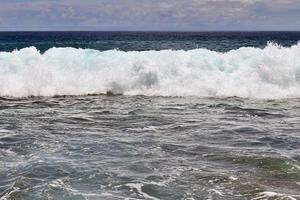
pixel 272 72
pixel 275 196
pixel 138 187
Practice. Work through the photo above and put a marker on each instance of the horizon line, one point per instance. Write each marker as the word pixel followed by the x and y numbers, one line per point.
pixel 178 31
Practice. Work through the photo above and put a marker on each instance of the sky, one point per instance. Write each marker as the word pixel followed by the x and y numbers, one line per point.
pixel 145 15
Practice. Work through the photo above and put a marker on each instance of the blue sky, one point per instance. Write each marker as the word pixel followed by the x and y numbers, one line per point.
pixel 182 15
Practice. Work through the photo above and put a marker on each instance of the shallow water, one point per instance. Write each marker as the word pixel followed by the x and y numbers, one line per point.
pixel 137 147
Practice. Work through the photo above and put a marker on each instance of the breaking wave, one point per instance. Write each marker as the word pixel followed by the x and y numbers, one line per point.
pixel 272 72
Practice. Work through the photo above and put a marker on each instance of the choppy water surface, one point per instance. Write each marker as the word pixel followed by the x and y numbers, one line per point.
pixel 137 147
pixel 156 146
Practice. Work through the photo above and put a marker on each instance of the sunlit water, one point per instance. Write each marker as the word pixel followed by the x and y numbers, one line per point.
pixel 137 147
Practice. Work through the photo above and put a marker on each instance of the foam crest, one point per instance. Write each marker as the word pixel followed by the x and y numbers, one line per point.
pixel 272 72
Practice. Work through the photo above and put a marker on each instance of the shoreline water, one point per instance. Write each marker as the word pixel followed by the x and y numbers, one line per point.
pixel 117 147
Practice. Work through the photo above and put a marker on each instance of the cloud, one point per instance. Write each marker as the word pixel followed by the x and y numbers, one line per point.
pixel 149 14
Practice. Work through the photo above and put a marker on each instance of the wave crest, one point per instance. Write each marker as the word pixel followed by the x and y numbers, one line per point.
pixel 272 72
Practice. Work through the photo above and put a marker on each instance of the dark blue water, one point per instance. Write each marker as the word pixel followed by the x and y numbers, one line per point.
pixel 113 125
pixel 141 41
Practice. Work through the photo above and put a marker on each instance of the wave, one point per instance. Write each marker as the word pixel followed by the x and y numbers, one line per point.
pixel 272 72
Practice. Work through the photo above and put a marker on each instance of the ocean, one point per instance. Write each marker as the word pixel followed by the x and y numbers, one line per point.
pixel 150 115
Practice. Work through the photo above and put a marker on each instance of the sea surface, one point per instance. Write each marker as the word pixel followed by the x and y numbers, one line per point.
pixel 150 115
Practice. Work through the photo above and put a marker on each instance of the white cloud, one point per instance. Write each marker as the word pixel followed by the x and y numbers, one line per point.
pixel 150 14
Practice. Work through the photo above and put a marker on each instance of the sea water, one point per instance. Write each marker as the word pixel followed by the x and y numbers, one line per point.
pixel 156 115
